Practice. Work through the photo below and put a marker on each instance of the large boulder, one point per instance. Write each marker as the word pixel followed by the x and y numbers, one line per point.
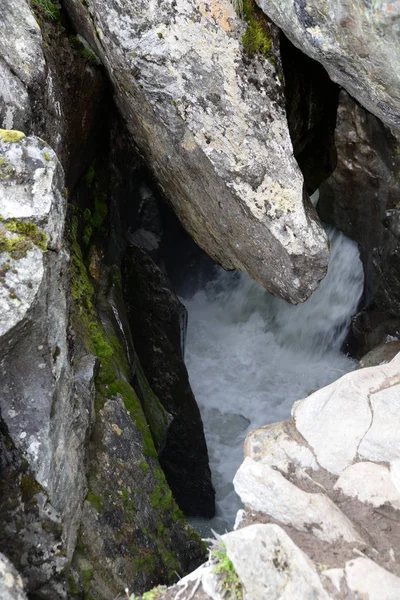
pixel 362 199
pixel 330 478
pixel 39 391
pixel 157 321
pixel 356 42
pixel 211 124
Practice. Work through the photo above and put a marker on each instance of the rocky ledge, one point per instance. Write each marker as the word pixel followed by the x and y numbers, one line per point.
pixel 321 496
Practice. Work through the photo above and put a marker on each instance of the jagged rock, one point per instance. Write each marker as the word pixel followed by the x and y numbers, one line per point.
pixel 192 100
pixel 22 65
pixel 380 355
pixel 45 404
pixel 361 198
pixel 11 586
pixel 133 534
pixel 157 321
pixel 356 42
pixel 341 445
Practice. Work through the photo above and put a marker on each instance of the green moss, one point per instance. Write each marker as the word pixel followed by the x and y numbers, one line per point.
pixel 47 156
pixel 160 35
pixel 48 9
pixel 7 171
pixel 29 488
pixel 29 235
pixel 229 583
pixel 95 501
pixel 145 563
pixel 257 37
pixel 11 135
pixel 90 173
pixel 144 467
pixel 72 587
pixel 86 578
pixel 156 414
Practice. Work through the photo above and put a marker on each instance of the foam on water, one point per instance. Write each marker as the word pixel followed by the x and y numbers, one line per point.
pixel 251 355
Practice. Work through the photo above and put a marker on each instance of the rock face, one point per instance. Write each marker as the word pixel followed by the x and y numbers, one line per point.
pixel 211 124
pixel 44 421
pixel 330 478
pixel 157 321
pixel 356 42
pixel 362 199
pixel 11 587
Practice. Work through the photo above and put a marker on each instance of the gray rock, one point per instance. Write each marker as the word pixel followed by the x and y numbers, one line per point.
pixel 211 123
pixel 157 320
pixel 11 586
pixel 46 418
pixel 380 355
pixel 356 42
pixel 22 65
pixel 362 199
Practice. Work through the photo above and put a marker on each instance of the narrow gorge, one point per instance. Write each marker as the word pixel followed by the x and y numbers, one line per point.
pixel 200 300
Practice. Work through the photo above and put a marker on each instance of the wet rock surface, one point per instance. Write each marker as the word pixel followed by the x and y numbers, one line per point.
pixel 229 174
pixel 361 198
pixel 157 321
pixel 356 42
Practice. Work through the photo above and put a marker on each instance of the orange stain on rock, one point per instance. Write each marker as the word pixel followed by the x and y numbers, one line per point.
pixel 213 10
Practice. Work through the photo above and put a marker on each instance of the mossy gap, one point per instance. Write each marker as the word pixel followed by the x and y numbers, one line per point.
pixel 257 37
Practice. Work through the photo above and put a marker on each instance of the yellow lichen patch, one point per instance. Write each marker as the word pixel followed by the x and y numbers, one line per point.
pixel 219 11
pixel 11 135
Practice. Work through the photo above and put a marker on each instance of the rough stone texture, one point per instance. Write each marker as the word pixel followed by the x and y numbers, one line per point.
pixel 357 43
pixel 11 586
pixel 341 445
pixel 133 534
pixel 157 320
pixel 361 198
pixel 223 158
pixel 22 65
pixel 380 355
pixel 45 404
pixel 30 528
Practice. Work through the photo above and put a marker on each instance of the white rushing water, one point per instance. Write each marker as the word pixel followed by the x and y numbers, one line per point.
pixel 251 355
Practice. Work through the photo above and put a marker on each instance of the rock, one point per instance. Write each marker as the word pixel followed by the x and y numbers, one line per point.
pixel 330 477
pixel 264 489
pixel 166 63
pixel 361 198
pixel 369 483
pixel 271 566
pixel 380 355
pixel 311 104
pixel 157 320
pixel 11 586
pixel 356 43
pixel 22 68
pixel 133 534
pixel 44 419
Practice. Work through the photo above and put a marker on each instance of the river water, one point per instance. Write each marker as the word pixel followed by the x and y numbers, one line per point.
pixel 251 355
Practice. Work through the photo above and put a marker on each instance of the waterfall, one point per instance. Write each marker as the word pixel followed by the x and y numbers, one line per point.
pixel 251 355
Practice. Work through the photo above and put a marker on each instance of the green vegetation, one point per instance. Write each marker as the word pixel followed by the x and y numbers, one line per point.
pixel 95 501
pixel 47 156
pixel 7 170
pixel 230 586
pixel 11 135
pixel 47 8
pixel 257 37
pixel 29 235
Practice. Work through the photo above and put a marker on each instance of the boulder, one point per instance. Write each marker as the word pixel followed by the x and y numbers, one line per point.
pixel 39 391
pixel 157 321
pixel 361 198
pixel 211 124
pixel 330 479
pixel 11 586
pixel 356 42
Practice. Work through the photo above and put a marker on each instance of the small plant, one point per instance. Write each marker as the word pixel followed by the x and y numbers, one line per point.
pixel 153 594
pixel 48 8
pixel 257 37
pixel 230 586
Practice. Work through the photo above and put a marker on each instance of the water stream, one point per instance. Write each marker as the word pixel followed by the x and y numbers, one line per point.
pixel 251 355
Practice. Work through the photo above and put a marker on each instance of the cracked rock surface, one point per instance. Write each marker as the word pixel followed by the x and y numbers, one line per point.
pixel 321 494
